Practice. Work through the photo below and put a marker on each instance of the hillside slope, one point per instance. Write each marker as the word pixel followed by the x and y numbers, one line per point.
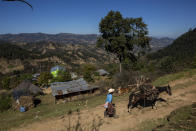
pixel 183 93
pixel 181 51
pixel 41 56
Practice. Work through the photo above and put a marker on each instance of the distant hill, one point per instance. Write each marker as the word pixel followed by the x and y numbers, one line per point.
pixel 68 38
pixel 41 56
pixel 60 38
pixel 180 53
pixel 159 43
pixel 31 52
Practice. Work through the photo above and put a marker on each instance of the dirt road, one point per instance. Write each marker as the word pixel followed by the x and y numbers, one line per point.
pixel 93 118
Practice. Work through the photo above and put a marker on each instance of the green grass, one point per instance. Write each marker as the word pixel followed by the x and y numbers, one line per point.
pixel 10 66
pixel 182 119
pixel 171 77
pixel 47 108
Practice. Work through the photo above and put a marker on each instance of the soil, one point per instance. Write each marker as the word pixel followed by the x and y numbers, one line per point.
pixel 94 117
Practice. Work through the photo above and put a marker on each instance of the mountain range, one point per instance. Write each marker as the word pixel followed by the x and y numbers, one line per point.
pixel 68 38
pixel 32 52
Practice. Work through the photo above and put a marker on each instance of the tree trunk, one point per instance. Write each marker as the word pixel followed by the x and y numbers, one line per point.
pixel 120 67
pixel 120 64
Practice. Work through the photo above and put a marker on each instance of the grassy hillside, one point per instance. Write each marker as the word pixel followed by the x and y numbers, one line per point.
pixel 47 108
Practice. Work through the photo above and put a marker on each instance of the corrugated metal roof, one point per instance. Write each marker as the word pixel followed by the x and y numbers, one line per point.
pixel 62 88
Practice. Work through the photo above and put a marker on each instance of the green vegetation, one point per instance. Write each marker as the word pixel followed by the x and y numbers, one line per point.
pixel 11 51
pixel 182 119
pixel 10 82
pixel 88 70
pixel 47 108
pixel 121 36
pixel 44 78
pixel 6 82
pixel 194 61
pixel 171 77
pixel 180 53
pixel 5 102
pixel 62 76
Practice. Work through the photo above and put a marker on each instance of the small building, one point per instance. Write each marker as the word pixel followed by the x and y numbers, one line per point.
pixel 24 94
pixel 54 70
pixel 26 88
pixel 102 72
pixel 73 90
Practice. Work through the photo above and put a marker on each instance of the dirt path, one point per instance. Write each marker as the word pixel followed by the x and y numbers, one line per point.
pixel 93 118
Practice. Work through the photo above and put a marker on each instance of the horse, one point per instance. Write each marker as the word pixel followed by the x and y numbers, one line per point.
pixel 135 98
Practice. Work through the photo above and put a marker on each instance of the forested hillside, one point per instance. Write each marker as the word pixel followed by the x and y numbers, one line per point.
pixel 179 54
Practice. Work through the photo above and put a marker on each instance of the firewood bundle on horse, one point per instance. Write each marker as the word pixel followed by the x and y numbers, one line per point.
pixel 147 93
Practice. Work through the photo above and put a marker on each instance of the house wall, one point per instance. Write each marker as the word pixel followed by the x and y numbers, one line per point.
pixel 78 95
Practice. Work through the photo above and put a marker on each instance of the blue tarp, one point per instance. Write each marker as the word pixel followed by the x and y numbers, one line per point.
pixel 57 68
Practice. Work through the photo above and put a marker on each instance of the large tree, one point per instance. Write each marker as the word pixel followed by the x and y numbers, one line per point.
pixel 125 37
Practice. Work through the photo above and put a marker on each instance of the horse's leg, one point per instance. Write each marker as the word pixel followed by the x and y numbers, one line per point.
pixel 154 104
pixel 128 107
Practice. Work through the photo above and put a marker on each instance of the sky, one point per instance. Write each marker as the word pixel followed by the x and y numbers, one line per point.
pixel 165 18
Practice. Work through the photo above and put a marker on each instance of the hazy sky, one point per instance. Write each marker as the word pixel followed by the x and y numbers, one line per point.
pixel 164 17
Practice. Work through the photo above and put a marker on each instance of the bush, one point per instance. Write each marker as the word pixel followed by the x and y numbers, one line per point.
pixel 167 64
pixel 87 76
pixel 111 68
pixel 194 61
pixel 88 68
pixel 129 65
pixel 124 79
pixel 5 102
pixel 44 78
pixel 87 71
pixel 6 82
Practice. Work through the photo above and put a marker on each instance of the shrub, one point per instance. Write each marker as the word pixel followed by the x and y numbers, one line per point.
pixel 167 64
pixel 112 68
pixel 6 82
pixel 44 78
pixel 87 71
pixel 194 61
pixel 88 68
pixel 5 102
pixel 87 76
pixel 124 78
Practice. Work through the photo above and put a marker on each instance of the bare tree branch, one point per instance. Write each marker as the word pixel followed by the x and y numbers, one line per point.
pixel 20 1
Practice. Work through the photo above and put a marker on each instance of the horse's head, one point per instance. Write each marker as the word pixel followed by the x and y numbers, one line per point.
pixel 169 90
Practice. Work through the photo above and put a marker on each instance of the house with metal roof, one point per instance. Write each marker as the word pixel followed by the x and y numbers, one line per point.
pixel 73 90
